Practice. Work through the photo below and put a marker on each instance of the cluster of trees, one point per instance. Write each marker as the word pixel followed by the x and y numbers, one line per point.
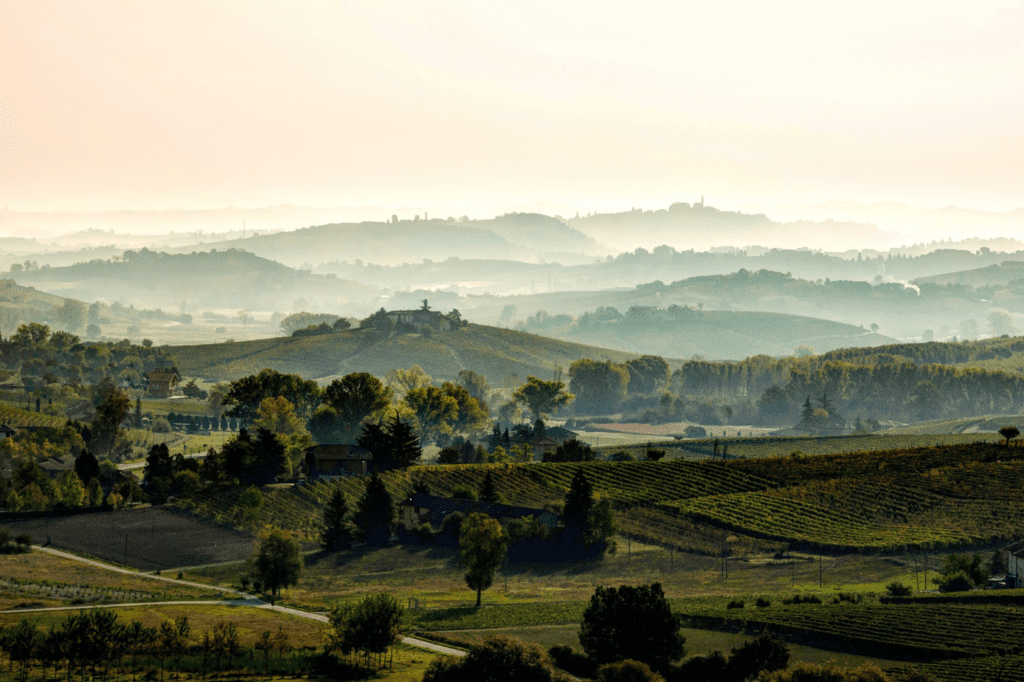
pixel 309 324
pixel 865 382
pixel 366 629
pixel 90 483
pixel 93 641
pixel 47 360
pixel 355 406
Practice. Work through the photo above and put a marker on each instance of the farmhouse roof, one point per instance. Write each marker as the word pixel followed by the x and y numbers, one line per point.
pixel 441 507
pixel 163 374
pixel 339 451
pixel 560 434
pixel 7 430
pixel 544 441
pixel 55 466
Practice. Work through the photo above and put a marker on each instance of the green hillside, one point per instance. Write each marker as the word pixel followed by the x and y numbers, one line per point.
pixel 722 334
pixel 1003 273
pixel 495 353
pixel 214 279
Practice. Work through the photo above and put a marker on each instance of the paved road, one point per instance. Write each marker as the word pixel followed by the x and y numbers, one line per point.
pixel 244 599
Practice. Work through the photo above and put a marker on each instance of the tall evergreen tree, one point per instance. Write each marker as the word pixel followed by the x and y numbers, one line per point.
pixel 488 491
pixel 579 502
pixel 374 516
pixel 335 534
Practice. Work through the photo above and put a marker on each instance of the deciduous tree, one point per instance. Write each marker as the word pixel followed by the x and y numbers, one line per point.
pixel 542 397
pixel 482 545
pixel 277 562
pixel 632 622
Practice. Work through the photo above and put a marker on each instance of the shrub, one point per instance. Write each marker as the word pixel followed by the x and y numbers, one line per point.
pixel 464 492
pixel 572 661
pixel 24 541
pixel 627 671
pixel 161 425
pixel 955 582
pixel 735 604
pixel 898 589
pixel 763 602
pixel 765 653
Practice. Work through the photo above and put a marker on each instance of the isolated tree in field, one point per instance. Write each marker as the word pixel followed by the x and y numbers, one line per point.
pixel 374 516
pixel 435 411
pixel 1009 433
pixel 632 622
pixel 542 397
pixel 482 546
pixel 371 626
pixel 335 533
pixel 356 398
pixel 277 562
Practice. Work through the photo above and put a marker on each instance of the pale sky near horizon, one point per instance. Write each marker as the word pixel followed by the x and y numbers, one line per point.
pixel 601 105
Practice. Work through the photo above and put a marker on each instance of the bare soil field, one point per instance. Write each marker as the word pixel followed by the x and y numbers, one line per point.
pixel 148 538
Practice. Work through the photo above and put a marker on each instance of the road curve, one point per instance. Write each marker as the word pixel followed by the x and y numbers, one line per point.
pixel 244 599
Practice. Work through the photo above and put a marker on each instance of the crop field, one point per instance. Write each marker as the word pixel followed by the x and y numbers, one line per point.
pixel 981 426
pixel 18 417
pixel 784 446
pixel 147 538
pixel 951 496
pixel 792 520
pixel 934 630
pixel 43 579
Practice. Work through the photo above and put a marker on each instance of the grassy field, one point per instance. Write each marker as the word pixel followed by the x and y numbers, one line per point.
pixel 433 577
pixel 495 353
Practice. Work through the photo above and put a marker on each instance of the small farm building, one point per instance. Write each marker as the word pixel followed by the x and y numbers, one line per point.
pixel 163 382
pixel 331 461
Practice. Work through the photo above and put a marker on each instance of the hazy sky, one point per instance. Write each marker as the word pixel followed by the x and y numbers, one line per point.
pixel 598 105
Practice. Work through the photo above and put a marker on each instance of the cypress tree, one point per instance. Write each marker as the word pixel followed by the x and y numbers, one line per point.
pixel 488 492
pixel 335 533
pixel 374 516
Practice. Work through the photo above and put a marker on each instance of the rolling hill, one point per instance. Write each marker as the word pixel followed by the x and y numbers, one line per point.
pixel 495 353
pixel 214 279
pixel 1001 274
pixel 517 236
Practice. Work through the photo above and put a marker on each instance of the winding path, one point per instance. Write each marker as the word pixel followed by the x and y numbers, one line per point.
pixel 242 599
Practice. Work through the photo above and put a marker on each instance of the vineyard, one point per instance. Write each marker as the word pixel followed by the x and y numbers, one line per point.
pixel 19 418
pixel 827 528
pixel 768 446
pixel 933 630
pixel 954 496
